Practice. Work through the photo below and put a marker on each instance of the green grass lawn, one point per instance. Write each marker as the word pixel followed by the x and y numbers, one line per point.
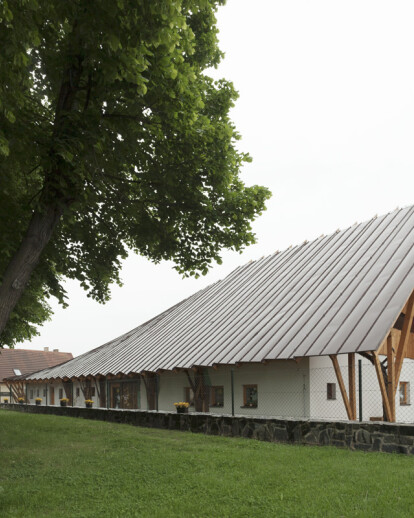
pixel 61 466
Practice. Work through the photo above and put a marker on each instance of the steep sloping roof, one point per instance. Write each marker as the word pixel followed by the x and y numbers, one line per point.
pixel 337 294
pixel 27 361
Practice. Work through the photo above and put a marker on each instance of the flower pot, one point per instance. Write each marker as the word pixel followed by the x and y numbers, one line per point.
pixel 38 402
pixel 21 402
pixel 89 405
pixel 63 403
pixel 182 410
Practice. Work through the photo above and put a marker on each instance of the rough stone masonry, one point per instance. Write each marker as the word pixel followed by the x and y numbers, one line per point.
pixel 365 436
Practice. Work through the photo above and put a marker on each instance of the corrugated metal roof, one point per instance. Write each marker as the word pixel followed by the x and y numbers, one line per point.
pixel 337 294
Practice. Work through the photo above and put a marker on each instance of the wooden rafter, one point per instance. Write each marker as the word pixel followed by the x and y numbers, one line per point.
pixel 348 408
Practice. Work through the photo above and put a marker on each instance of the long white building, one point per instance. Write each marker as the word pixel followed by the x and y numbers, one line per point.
pixel 281 336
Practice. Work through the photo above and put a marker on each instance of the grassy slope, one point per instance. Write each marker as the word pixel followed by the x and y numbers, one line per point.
pixel 57 466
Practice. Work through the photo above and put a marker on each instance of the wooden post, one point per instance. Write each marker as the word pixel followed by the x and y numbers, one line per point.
pixel 391 375
pixel 341 383
pixel 405 335
pixel 352 384
pixel 377 365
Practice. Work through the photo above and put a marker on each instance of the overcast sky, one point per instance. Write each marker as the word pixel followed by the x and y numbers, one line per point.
pixel 326 110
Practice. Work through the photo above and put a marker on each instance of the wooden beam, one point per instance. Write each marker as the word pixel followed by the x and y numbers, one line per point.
pixel 405 335
pixel 341 384
pixel 352 384
pixel 391 375
pixel 190 381
pixel 377 365
pixel 97 388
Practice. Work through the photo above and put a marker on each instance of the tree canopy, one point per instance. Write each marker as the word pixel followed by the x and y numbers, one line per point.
pixel 112 138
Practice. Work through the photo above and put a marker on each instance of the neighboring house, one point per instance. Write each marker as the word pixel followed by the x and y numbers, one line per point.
pixel 20 362
pixel 280 336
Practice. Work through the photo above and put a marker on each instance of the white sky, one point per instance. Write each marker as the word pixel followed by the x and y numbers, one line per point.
pixel 326 110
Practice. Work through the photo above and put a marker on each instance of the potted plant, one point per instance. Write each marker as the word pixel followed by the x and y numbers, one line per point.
pixel 38 401
pixel 88 403
pixel 20 400
pixel 64 401
pixel 182 407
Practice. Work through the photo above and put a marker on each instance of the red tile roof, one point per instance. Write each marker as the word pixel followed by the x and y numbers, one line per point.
pixel 27 361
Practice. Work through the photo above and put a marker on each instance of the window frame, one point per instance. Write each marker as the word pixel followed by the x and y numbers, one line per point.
pixel 404 390
pixel 245 402
pixel 213 396
pixel 331 391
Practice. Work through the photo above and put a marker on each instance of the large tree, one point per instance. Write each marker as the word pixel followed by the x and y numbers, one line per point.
pixel 112 138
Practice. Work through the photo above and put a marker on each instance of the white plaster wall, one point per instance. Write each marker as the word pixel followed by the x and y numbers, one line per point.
pixel 283 388
pixel 321 373
pixel 80 400
pixel 3 388
pixel 34 390
pixel 170 390
pixel 405 413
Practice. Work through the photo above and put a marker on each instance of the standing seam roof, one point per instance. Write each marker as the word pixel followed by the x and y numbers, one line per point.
pixel 337 294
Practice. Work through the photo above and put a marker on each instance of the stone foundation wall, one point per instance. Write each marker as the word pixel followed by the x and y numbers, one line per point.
pixel 365 436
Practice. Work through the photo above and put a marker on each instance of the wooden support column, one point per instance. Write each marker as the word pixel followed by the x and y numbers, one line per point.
pixel 391 375
pixel 341 384
pixel 352 384
pixel 98 390
pixel 14 391
pixel 405 335
pixel 383 389
pixel 190 381
pixel 151 388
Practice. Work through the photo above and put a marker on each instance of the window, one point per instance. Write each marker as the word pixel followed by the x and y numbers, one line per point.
pixel 17 372
pixel 77 391
pixel 92 391
pixel 250 396
pixel 189 395
pixel 404 393
pixel 60 393
pixel 331 391
pixel 217 396
pixel 31 394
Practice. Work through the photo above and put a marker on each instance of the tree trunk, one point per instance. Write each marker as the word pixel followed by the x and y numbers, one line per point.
pixel 25 260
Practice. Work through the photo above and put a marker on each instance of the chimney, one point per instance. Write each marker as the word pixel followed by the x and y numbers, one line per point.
pixel 55 350
pixel 46 349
